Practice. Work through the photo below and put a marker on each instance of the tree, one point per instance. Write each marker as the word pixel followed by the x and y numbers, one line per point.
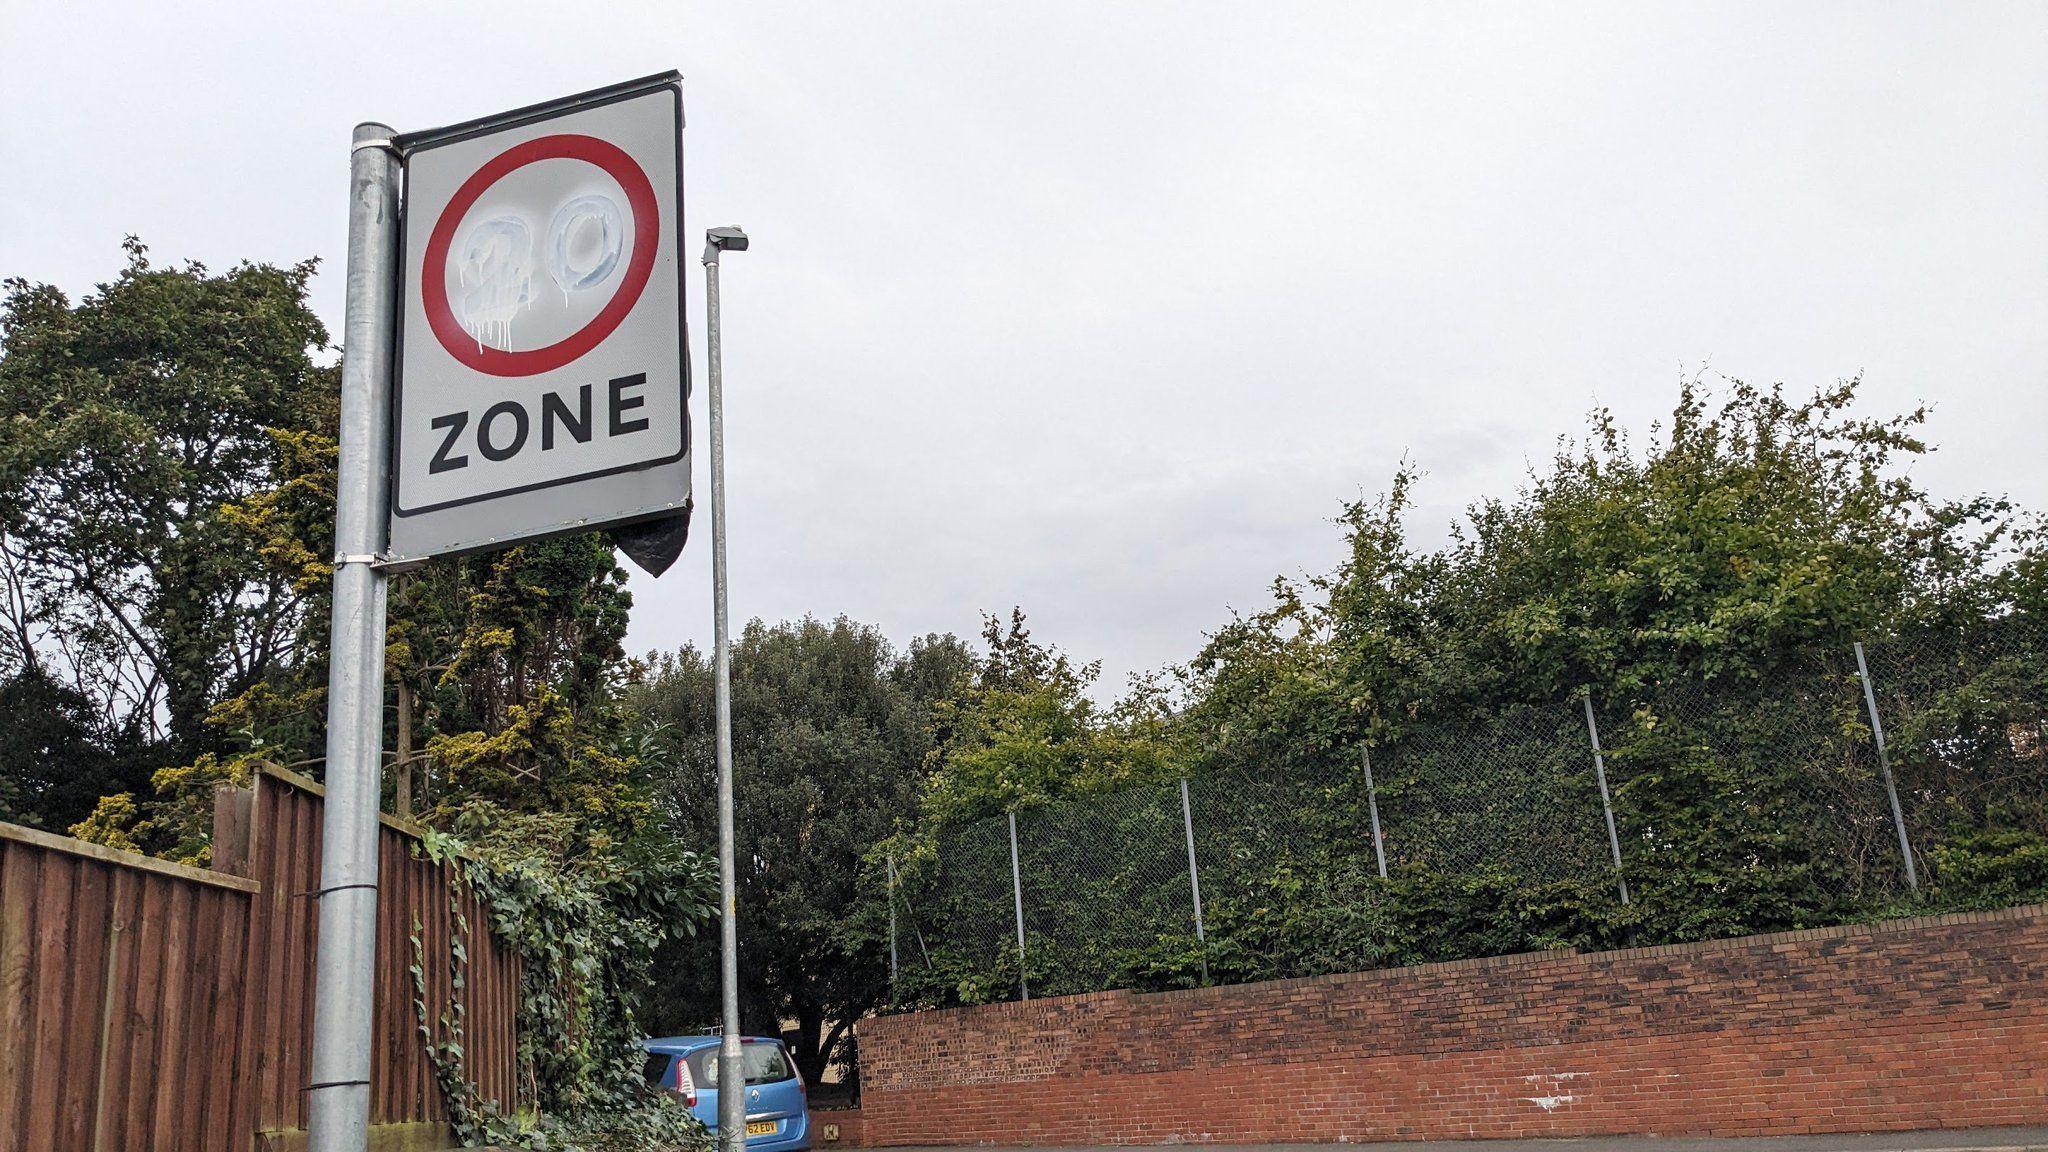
pixel 1702 589
pixel 520 660
pixel 831 729
pixel 1705 590
pixel 167 474
pixel 55 759
pixel 167 479
pixel 504 668
pixel 128 423
pixel 1750 535
pixel 1025 731
pixel 135 597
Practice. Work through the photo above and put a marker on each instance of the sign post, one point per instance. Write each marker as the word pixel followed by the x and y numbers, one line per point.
pixel 514 366
pixel 338 1098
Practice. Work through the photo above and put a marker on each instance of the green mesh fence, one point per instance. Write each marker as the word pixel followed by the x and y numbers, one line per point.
pixel 1737 806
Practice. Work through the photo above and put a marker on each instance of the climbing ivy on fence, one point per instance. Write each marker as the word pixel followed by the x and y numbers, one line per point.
pixel 586 933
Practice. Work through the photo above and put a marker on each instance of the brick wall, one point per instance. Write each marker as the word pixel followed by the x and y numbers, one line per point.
pixel 840 1127
pixel 1934 1022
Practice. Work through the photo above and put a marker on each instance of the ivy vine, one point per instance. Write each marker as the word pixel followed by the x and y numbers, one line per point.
pixel 585 932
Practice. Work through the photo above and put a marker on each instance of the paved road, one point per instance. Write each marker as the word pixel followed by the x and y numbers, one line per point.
pixel 1950 1140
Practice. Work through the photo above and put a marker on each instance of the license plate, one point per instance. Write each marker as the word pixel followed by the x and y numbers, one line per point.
pixel 761 1128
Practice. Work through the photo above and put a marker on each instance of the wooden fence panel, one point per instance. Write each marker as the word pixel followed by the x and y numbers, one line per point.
pixel 270 833
pixel 120 980
pixel 149 1007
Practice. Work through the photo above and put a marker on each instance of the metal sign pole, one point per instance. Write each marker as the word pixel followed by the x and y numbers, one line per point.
pixel 338 1098
pixel 732 1105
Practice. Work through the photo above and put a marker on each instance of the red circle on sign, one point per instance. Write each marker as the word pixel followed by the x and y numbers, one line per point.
pixel 470 352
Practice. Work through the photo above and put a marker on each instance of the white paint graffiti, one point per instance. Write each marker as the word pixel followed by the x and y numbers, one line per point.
pixel 584 243
pixel 495 279
pixel 1555 1082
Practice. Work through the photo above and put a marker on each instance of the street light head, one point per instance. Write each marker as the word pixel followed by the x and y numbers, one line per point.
pixel 726 239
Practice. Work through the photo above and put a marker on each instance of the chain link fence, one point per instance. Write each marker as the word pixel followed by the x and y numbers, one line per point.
pixel 1906 775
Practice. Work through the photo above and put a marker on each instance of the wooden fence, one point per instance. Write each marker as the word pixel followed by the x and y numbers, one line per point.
pixel 270 833
pixel 120 991
pixel 147 1006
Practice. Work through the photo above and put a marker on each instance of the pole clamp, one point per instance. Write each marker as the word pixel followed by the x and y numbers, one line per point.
pixel 343 559
pixel 385 142
pixel 317 893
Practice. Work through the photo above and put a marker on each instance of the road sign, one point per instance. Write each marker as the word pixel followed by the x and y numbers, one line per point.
pixel 542 370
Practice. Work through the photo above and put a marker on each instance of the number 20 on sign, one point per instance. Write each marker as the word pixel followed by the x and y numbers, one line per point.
pixel 543 376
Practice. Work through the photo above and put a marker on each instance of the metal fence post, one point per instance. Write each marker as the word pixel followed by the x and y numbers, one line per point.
pixel 917 934
pixel 1884 762
pixel 890 861
pixel 1372 804
pixel 1606 803
pixel 1187 822
pixel 1017 894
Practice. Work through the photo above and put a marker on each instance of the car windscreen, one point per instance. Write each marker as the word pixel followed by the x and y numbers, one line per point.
pixel 762 1063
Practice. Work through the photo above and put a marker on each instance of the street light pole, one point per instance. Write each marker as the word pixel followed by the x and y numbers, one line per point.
pixel 732 1106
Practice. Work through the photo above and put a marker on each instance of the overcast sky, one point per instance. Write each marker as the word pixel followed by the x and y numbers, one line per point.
pixel 1104 309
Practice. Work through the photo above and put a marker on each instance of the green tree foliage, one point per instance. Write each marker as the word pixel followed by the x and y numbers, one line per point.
pixel 128 423
pixel 133 424
pixel 1746 536
pixel 1023 734
pixel 55 757
pixel 167 474
pixel 1026 731
pixel 1704 590
pixel 831 728
pixel 508 665
pixel 517 656
pixel 167 479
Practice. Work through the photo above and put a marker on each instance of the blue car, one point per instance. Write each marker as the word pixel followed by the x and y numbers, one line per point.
pixel 778 1111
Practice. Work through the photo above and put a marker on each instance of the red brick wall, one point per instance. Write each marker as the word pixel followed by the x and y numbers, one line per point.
pixel 847 1121
pixel 1935 1022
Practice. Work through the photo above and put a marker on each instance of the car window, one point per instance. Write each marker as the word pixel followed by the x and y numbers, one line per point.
pixel 762 1063
pixel 655 1069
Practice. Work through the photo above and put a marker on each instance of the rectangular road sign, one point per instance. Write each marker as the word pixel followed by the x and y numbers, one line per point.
pixel 542 376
